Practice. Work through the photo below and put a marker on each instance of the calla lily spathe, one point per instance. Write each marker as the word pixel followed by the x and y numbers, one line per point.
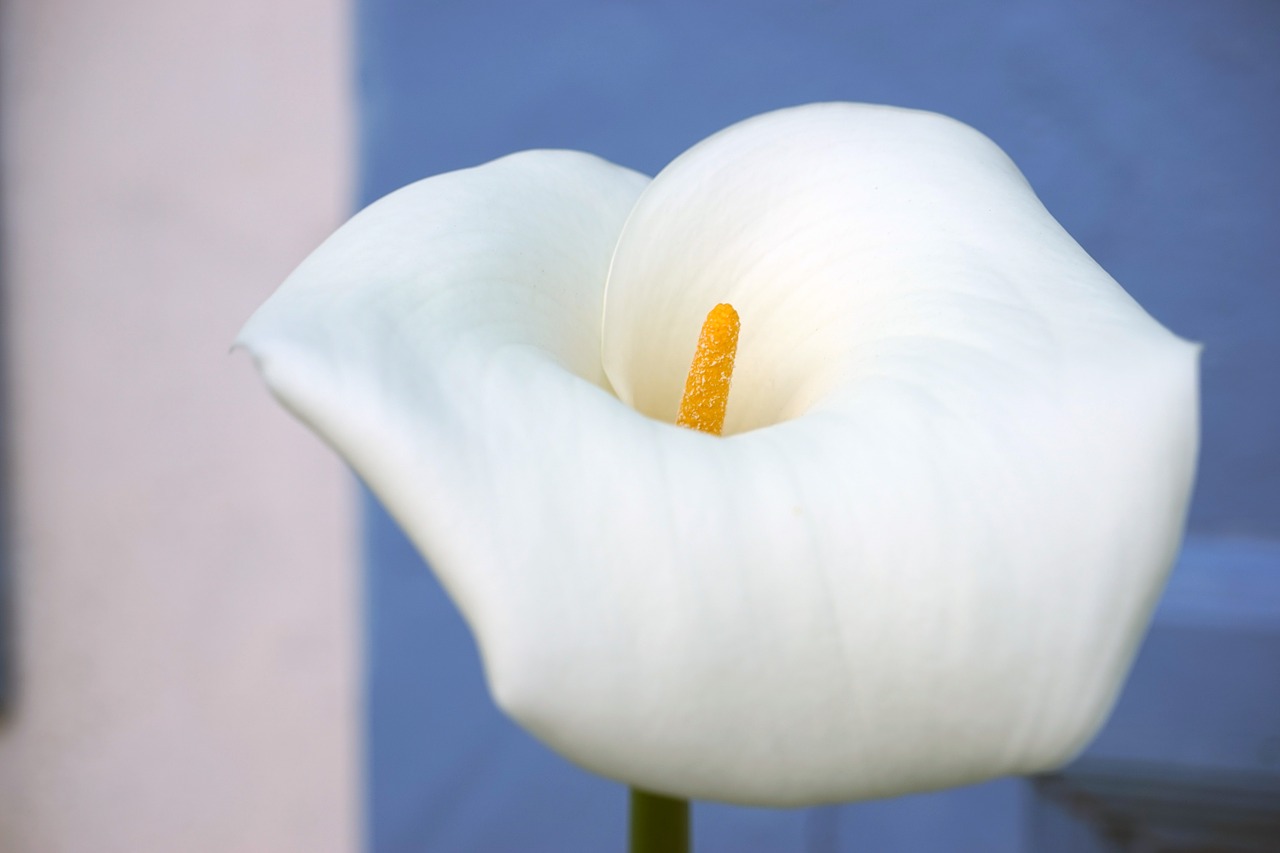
pixel 955 472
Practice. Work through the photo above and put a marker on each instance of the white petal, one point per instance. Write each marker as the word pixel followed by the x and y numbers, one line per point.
pixel 384 340
pixel 991 444
pixel 933 573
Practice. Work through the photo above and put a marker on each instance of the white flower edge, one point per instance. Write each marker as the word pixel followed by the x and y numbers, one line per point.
pixel 935 571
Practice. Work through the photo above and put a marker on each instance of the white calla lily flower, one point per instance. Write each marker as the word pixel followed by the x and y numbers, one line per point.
pixel 955 470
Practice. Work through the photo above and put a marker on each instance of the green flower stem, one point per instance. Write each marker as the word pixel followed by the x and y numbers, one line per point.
pixel 658 824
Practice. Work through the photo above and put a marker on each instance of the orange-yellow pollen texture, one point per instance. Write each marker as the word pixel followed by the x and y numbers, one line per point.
pixel 706 391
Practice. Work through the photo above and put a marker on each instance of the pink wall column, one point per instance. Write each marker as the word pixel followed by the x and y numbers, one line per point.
pixel 186 592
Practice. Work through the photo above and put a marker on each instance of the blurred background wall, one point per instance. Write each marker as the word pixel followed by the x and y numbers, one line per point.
pixel 184 614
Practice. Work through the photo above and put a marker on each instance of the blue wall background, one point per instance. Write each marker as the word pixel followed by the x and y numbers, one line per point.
pixel 1150 130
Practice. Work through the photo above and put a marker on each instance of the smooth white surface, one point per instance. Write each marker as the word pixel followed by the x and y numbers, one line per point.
pixel 185 575
pixel 960 475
